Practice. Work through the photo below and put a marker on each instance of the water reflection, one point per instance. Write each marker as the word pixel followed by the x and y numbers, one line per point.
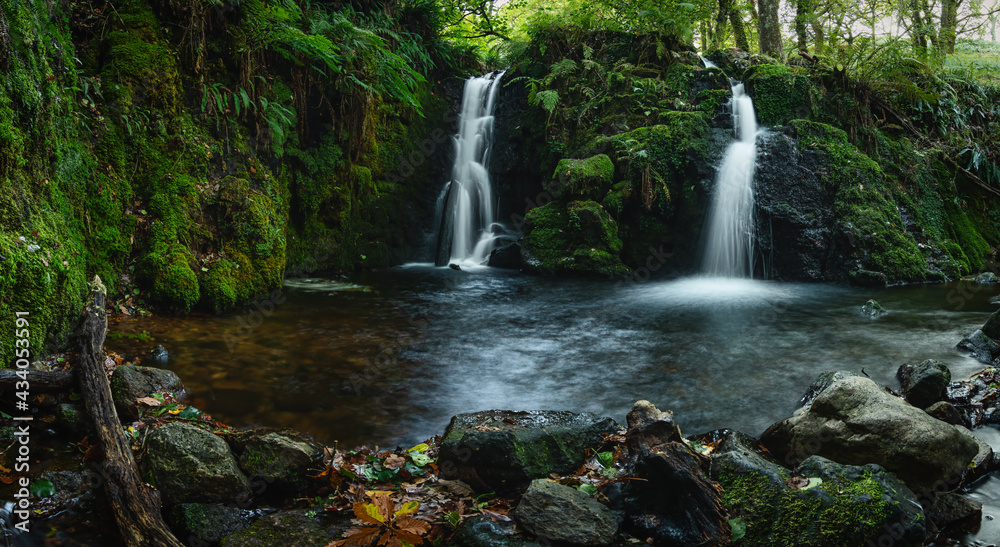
pixel 393 364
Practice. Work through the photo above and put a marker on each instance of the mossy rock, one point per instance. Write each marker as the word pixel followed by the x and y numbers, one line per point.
pixel 189 464
pixel 296 527
pixel 780 93
pixel 870 222
pixel 280 460
pixel 582 179
pixel 576 238
pixel 205 522
pixel 499 450
pixel 824 504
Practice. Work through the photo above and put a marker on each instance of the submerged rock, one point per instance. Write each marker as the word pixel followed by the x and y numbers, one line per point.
pixel 872 310
pixel 502 450
pixel 559 513
pixel 159 354
pixel 189 464
pixel 855 422
pixel 924 383
pixel 507 256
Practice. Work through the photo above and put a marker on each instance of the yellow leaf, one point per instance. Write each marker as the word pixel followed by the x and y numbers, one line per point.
pixel 373 512
pixel 377 493
pixel 422 447
pixel 408 507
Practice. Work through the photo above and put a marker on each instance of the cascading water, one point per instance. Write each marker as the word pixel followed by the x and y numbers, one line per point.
pixel 729 244
pixel 467 230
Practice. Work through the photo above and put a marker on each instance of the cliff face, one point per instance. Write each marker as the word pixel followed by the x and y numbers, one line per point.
pixel 192 153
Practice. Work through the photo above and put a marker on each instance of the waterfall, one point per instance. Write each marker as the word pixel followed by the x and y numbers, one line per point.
pixel 730 228
pixel 466 208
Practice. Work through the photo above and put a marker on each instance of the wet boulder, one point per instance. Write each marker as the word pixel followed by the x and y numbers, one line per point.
pixel 924 383
pixel 855 422
pixel 946 412
pixel 203 523
pixel 506 256
pixel 980 346
pixel 189 464
pixel 588 178
pixel 296 527
pixel 986 278
pixel 992 326
pixel 983 462
pixel 503 450
pixel 559 513
pixel 482 531
pixel 822 382
pixel 281 460
pixel 130 382
pixel 872 310
pixel 575 238
pixel 954 510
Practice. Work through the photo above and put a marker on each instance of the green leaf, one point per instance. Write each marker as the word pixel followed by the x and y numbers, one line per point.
pixel 42 488
pixel 420 458
pixel 189 413
pixel 813 483
pixel 739 528
pixel 606 459
pixel 588 489
pixel 136 292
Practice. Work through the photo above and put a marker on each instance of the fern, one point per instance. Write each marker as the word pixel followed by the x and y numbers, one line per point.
pixel 548 99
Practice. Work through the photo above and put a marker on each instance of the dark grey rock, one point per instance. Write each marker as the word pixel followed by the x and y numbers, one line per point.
pixel 482 531
pixel 507 256
pixel 924 383
pixel 560 513
pixel 210 523
pixel 189 464
pixel 872 310
pixel 951 509
pixel 289 528
pixel 159 354
pixel 130 382
pixel 946 412
pixel 980 346
pixel 502 450
pixel 986 278
pixel 282 460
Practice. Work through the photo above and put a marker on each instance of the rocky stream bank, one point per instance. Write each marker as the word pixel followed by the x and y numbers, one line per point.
pixel 857 464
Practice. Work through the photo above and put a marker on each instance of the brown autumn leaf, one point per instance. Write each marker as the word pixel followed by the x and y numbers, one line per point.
pixel 394 462
pixel 797 482
pixel 6 479
pixel 148 401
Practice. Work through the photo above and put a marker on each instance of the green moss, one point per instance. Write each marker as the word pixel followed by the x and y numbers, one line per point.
pixel 582 179
pixel 713 101
pixel 865 205
pixel 576 238
pixel 780 93
pixel 835 513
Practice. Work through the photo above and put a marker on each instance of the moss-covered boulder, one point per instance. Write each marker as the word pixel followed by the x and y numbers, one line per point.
pixel 559 513
pixel 296 527
pixel 589 178
pixel 210 522
pixel 576 238
pixel 502 450
pixel 780 93
pixel 188 464
pixel 821 503
pixel 855 422
pixel 924 383
pixel 279 459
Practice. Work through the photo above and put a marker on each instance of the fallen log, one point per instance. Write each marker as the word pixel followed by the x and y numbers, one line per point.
pixel 41 382
pixel 136 505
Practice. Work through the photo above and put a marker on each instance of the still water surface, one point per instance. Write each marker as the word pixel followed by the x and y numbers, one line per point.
pixel 388 357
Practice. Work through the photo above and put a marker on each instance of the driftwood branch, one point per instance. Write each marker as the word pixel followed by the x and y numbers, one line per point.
pixel 136 505
pixel 41 382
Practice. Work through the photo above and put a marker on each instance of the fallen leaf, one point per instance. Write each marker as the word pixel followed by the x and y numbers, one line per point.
pixel 148 401
pixel 394 462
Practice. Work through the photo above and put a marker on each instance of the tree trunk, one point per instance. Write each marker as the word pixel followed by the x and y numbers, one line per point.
pixel 949 24
pixel 725 6
pixel 803 14
pixel 135 505
pixel 917 32
pixel 704 37
pixel 769 29
pixel 820 37
pixel 739 31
